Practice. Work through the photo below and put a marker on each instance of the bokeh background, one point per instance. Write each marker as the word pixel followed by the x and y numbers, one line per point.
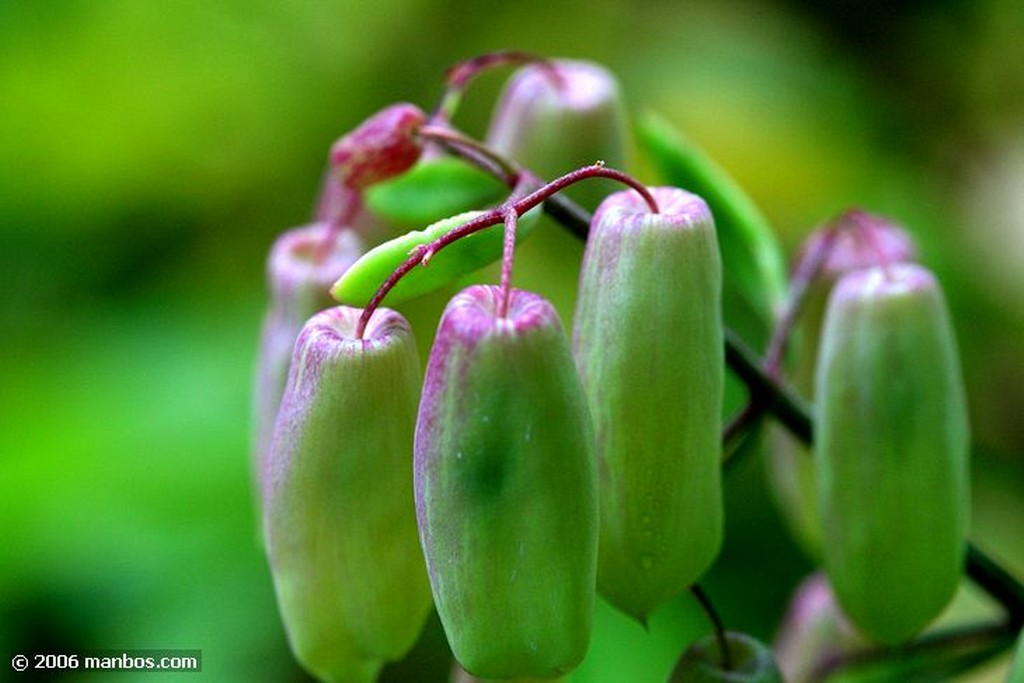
pixel 151 151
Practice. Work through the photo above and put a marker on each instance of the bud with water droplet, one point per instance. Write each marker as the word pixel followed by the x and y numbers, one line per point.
pixel 505 487
pixel 891 448
pixel 648 344
pixel 338 511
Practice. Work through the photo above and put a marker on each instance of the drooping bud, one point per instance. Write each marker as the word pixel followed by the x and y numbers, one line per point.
pixel 381 147
pixel 300 271
pixel 750 662
pixel 648 344
pixel 814 632
pixel 891 448
pixel 555 116
pixel 338 512
pixel 506 493
pixel 861 241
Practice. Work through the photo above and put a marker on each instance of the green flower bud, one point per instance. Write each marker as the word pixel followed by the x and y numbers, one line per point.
pixel 648 345
pixel 300 272
pixel 814 632
pixel 863 240
pixel 891 450
pixel 751 662
pixel 506 492
pixel 560 115
pixel 338 513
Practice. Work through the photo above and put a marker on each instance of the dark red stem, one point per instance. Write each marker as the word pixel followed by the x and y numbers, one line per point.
pixel 422 255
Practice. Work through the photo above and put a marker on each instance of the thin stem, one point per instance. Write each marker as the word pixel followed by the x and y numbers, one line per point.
pixel 456 141
pixel 508 255
pixel 974 636
pixel 716 623
pixel 458 77
pixel 806 272
pixel 868 234
pixel 998 583
pixel 766 393
pixel 422 255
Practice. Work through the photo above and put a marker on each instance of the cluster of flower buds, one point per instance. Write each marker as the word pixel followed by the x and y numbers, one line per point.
pixel 524 475
pixel 852 241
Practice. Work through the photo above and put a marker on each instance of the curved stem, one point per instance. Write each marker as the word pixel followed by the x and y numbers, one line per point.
pixel 422 255
pixel 806 272
pixel 968 641
pixel 459 76
pixel 457 142
pixel 716 623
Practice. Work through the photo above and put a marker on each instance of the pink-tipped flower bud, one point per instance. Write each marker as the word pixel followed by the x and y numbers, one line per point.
pixel 814 632
pixel 382 147
pixel 300 272
pixel 506 490
pixel 648 344
pixel 338 503
pixel 559 115
pixel 861 240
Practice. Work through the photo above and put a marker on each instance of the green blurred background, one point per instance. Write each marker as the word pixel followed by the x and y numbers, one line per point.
pixel 151 151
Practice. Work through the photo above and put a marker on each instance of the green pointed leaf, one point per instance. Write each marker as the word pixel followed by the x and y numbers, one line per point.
pixel 755 271
pixel 432 189
pixel 361 281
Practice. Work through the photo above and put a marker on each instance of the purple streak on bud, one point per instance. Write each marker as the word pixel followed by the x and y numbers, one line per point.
pixel 299 287
pixel 382 147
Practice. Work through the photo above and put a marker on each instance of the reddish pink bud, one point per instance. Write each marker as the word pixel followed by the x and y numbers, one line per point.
pixel 384 146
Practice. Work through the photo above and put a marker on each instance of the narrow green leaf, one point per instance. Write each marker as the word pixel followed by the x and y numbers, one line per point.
pixel 754 267
pixel 361 281
pixel 432 189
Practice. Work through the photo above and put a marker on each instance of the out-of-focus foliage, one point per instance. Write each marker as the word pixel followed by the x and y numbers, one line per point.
pixel 149 152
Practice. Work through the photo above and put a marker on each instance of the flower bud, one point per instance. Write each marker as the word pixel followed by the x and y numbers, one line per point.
pixel 863 240
pixel 300 271
pixel 891 450
pixel 338 512
pixel 751 662
pixel 381 147
pixel 506 493
pixel 556 116
pixel 814 632
pixel 648 345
